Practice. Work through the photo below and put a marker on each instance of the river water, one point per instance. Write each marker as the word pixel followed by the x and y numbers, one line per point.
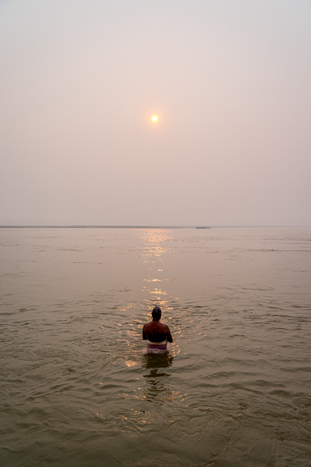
pixel 76 386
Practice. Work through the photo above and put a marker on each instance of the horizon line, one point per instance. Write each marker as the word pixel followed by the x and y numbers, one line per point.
pixel 94 226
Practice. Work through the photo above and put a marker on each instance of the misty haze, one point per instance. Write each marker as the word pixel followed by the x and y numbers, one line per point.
pixel 155 233
pixel 229 82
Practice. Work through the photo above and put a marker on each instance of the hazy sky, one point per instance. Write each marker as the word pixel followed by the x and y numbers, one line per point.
pixel 230 81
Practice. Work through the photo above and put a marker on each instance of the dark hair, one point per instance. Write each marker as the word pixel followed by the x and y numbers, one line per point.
pixel 156 313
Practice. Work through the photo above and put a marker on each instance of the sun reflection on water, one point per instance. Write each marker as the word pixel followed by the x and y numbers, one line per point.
pixel 156 244
pixel 156 249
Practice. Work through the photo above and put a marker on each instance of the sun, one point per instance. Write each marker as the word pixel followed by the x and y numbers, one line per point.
pixel 154 118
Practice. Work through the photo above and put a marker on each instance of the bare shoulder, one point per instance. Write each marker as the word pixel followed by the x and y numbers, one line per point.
pixel 147 326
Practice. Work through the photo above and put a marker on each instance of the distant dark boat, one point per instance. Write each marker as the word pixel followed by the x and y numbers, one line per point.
pixel 202 227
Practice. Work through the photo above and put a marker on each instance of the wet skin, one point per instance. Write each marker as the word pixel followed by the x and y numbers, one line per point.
pixel 157 332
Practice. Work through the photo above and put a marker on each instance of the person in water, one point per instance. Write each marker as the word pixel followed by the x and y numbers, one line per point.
pixel 156 334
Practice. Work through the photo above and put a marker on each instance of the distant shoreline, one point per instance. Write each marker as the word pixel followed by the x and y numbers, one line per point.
pixel 151 227
pixel 96 227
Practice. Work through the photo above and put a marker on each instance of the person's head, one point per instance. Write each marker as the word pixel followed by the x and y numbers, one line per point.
pixel 156 313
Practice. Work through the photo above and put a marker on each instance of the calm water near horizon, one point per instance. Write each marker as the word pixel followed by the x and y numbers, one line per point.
pixel 77 388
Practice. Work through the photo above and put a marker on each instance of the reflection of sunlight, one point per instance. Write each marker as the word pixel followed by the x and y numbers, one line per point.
pixel 128 306
pixel 155 245
pixel 157 292
pixel 155 280
pixel 156 249
pixel 130 363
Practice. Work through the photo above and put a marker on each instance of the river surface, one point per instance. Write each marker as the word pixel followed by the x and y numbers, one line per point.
pixel 76 386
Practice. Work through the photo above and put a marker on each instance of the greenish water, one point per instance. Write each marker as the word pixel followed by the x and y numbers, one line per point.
pixel 77 388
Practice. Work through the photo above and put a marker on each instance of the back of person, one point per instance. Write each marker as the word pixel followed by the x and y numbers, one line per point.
pixel 156 333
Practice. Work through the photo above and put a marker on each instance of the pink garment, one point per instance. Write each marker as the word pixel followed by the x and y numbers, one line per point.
pixel 156 347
